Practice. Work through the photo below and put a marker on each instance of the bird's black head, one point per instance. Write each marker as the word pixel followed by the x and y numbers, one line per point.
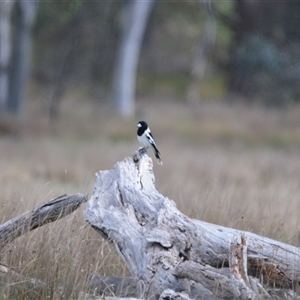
pixel 142 126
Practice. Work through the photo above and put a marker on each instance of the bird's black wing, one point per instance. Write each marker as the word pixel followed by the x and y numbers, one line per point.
pixel 152 142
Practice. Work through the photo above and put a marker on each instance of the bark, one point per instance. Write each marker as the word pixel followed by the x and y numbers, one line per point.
pixel 45 213
pixel 136 15
pixel 165 250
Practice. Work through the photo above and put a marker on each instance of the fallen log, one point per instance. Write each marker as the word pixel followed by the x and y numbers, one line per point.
pixel 166 252
pixel 45 213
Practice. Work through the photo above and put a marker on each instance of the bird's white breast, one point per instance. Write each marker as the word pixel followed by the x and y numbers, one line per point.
pixel 143 141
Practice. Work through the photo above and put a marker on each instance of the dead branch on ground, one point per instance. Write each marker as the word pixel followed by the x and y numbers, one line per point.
pixel 45 213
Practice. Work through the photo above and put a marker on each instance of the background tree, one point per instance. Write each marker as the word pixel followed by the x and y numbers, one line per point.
pixel 76 44
pixel 14 58
pixel 21 50
pixel 134 21
pixel 93 35
pixel 5 46
pixel 83 39
pixel 264 59
pixel 201 54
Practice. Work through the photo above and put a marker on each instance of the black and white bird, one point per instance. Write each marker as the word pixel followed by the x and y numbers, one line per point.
pixel 146 139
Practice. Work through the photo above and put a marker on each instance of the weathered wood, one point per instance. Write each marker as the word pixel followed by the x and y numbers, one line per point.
pixel 45 213
pixel 171 295
pixel 164 249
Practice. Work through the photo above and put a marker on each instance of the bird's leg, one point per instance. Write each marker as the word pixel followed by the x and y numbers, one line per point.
pixel 143 150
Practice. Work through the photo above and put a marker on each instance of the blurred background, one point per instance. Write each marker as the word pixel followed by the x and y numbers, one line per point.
pixel 110 51
pixel 217 81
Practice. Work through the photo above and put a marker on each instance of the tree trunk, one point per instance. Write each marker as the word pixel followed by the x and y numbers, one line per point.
pixel 169 254
pixel 61 80
pixel 5 31
pixel 25 13
pixel 133 27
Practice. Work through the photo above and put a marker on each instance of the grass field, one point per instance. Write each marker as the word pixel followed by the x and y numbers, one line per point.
pixel 237 166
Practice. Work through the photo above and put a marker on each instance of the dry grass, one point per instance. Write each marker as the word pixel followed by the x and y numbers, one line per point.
pixel 232 165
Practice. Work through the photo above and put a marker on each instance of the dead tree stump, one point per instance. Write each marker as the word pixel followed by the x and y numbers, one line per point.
pixel 173 257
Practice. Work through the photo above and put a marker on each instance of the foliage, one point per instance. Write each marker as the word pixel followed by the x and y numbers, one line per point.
pixel 267 71
pixel 264 61
pixel 256 45
pixel 93 29
pixel 87 29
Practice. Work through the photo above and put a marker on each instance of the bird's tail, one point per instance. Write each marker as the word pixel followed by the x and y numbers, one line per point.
pixel 157 155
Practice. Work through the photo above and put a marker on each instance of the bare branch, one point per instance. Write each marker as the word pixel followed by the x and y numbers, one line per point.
pixel 45 213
